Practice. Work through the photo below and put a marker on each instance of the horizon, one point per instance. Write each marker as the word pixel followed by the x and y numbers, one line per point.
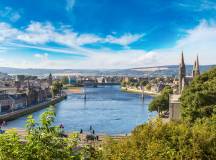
pixel 171 65
pixel 78 34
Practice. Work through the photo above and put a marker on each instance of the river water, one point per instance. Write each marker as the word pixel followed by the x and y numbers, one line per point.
pixel 106 109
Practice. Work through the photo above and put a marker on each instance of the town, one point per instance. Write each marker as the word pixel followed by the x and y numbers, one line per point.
pixel 24 91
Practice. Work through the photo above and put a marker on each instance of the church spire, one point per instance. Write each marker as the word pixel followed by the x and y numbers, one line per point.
pixel 182 59
pixel 182 73
pixel 196 68
pixel 50 79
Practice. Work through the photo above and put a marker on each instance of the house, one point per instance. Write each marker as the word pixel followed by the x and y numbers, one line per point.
pixel 19 101
pixel 5 102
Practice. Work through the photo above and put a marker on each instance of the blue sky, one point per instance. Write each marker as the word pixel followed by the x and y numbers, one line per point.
pixel 105 33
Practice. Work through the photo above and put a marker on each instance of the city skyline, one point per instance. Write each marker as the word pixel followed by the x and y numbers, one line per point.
pixel 105 34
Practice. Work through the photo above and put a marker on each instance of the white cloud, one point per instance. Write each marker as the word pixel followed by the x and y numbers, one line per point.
pixel 7 32
pixel 10 14
pixel 41 56
pixel 37 33
pixel 70 4
pixel 42 33
pixel 197 6
pixel 200 39
pixel 124 40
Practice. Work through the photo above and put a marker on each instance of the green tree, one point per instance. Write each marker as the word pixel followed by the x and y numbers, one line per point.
pixel 148 86
pixel 44 141
pixel 165 141
pixel 199 98
pixel 161 102
pixel 143 83
pixel 56 88
pixel 65 80
pixel 123 84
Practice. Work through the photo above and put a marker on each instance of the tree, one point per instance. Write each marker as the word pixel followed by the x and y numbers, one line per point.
pixel 161 102
pixel 65 80
pixel 199 98
pixel 174 140
pixel 56 88
pixel 143 83
pixel 148 86
pixel 123 84
pixel 44 141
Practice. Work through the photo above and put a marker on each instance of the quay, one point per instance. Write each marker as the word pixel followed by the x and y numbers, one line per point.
pixel 16 114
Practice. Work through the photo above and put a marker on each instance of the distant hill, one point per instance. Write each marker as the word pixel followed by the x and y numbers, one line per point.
pixel 4 75
pixel 170 70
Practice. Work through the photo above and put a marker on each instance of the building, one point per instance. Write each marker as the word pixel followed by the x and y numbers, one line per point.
pixel 5 102
pixel 50 79
pixel 182 73
pixel 196 68
pixel 19 101
pixel 174 99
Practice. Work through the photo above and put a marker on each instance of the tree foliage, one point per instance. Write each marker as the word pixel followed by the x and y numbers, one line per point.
pixel 156 140
pixel 161 102
pixel 199 98
pixel 65 80
pixel 56 88
pixel 44 141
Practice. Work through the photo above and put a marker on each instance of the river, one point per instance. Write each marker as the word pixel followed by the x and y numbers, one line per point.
pixel 106 109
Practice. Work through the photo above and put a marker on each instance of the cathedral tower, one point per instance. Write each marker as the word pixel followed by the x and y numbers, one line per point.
pixel 196 68
pixel 182 73
pixel 50 79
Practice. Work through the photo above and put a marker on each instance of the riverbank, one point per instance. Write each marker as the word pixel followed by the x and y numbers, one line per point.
pixel 139 91
pixel 16 114
pixel 68 89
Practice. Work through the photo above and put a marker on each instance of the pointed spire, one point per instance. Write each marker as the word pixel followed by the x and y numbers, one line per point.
pixel 194 69
pixel 182 73
pixel 197 65
pixel 28 84
pixel 50 79
pixel 182 59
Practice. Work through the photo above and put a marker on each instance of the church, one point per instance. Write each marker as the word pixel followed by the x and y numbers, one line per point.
pixel 183 80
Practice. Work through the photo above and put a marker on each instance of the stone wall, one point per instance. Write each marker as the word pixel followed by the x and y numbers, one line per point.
pixel 174 107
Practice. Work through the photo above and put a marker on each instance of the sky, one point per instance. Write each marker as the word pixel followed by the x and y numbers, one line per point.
pixel 106 34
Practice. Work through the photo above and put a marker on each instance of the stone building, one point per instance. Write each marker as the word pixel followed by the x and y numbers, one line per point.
pixel 182 73
pixel 174 99
pixel 19 101
pixel 5 102
pixel 50 79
